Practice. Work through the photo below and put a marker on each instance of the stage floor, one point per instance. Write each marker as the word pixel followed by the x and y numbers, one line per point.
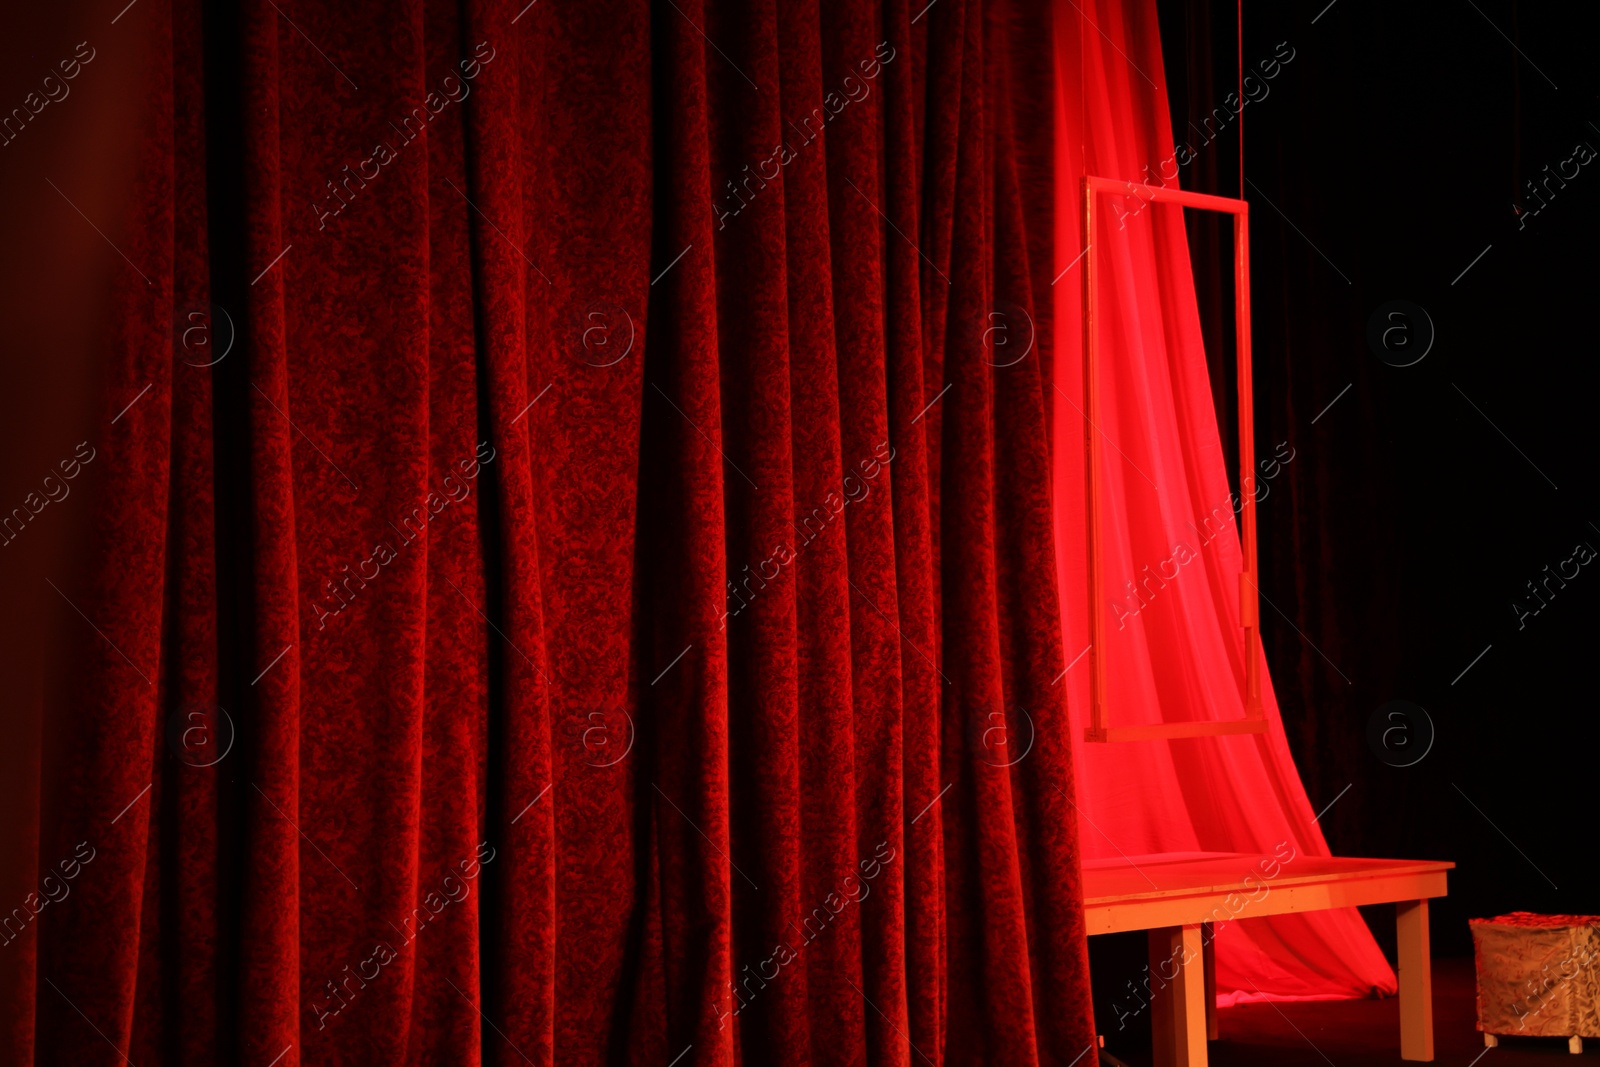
pixel 1366 1033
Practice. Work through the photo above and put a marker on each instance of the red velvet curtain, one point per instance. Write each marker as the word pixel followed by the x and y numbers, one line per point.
pixel 577 580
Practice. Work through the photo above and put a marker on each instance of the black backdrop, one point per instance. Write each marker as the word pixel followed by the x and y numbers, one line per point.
pixel 1388 161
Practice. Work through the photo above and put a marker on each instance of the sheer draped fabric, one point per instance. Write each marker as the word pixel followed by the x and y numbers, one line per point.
pixel 576 573
pixel 1169 540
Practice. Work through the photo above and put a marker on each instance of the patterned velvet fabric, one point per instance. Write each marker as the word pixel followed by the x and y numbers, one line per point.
pixel 1537 974
pixel 576 579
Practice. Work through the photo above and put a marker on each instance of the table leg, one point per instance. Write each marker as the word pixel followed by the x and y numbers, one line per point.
pixel 1207 932
pixel 1416 980
pixel 1177 1001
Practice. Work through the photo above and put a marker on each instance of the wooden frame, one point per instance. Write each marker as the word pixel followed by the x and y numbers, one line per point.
pixel 1254 722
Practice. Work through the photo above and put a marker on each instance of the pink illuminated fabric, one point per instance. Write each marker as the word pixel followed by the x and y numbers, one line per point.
pixel 1172 642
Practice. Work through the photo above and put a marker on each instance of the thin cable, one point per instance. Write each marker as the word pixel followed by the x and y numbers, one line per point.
pixel 1083 99
pixel 1239 52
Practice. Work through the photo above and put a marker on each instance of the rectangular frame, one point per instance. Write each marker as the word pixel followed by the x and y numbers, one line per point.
pixel 1254 722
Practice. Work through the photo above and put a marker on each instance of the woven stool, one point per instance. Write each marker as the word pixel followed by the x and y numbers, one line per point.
pixel 1538 976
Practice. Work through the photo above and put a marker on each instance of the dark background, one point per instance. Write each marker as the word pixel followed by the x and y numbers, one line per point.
pixel 1390 152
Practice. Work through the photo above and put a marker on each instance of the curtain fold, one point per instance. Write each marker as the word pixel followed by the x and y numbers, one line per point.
pixel 575 580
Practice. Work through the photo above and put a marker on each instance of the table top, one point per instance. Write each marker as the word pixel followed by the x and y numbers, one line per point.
pixel 1186 874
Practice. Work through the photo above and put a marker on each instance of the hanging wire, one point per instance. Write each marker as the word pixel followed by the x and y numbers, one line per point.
pixel 1239 52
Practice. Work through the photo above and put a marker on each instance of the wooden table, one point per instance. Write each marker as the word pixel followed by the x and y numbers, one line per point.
pixel 1178 896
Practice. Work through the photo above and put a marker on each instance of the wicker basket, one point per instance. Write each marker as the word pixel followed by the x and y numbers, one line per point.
pixel 1538 976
